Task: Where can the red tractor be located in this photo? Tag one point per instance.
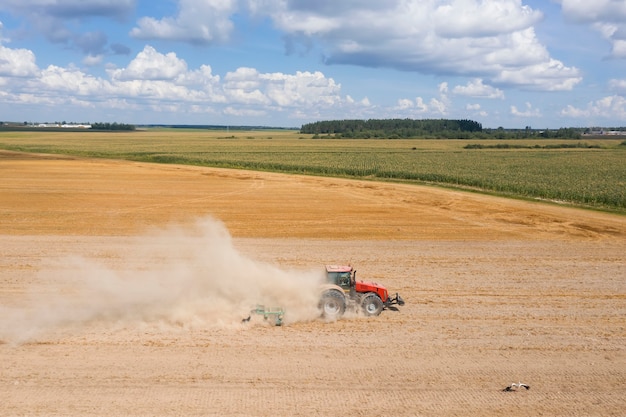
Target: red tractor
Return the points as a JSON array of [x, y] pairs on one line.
[[342, 291]]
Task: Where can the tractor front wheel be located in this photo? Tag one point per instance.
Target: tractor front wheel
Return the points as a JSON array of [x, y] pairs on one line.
[[332, 304], [371, 304]]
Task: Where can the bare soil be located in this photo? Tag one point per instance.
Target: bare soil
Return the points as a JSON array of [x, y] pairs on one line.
[[119, 296]]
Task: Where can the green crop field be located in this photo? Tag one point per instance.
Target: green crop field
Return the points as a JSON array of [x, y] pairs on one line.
[[591, 177]]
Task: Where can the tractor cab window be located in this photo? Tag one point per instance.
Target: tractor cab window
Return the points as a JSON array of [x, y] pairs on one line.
[[340, 278]]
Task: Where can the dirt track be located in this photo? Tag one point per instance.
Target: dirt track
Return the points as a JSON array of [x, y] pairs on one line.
[[498, 291]]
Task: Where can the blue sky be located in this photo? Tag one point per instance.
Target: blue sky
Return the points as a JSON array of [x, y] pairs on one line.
[[510, 63]]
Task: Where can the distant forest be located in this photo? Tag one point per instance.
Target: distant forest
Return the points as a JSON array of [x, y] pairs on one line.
[[427, 128], [112, 126]]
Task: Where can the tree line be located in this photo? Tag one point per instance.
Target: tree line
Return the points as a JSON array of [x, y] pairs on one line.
[[112, 126], [389, 128], [427, 128]]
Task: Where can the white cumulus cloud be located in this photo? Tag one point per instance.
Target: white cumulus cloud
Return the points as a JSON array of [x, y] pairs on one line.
[[593, 11], [503, 17], [435, 107], [617, 85], [163, 82], [303, 87], [606, 16], [92, 60], [607, 107], [476, 88], [476, 109], [201, 22], [69, 81], [545, 76], [17, 62], [152, 65], [529, 111], [494, 40]]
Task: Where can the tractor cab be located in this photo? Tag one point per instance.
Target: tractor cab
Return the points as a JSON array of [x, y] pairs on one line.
[[342, 276]]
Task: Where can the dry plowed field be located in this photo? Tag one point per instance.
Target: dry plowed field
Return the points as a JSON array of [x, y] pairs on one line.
[[123, 287]]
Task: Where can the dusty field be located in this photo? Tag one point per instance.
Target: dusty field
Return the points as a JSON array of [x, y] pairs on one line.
[[121, 295]]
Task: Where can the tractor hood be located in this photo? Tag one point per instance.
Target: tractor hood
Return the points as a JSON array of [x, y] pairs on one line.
[[366, 286]]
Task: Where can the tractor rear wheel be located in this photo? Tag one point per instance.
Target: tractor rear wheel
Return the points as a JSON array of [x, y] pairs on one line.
[[332, 304], [371, 304]]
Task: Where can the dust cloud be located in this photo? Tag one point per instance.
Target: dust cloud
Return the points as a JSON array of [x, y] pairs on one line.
[[188, 277]]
